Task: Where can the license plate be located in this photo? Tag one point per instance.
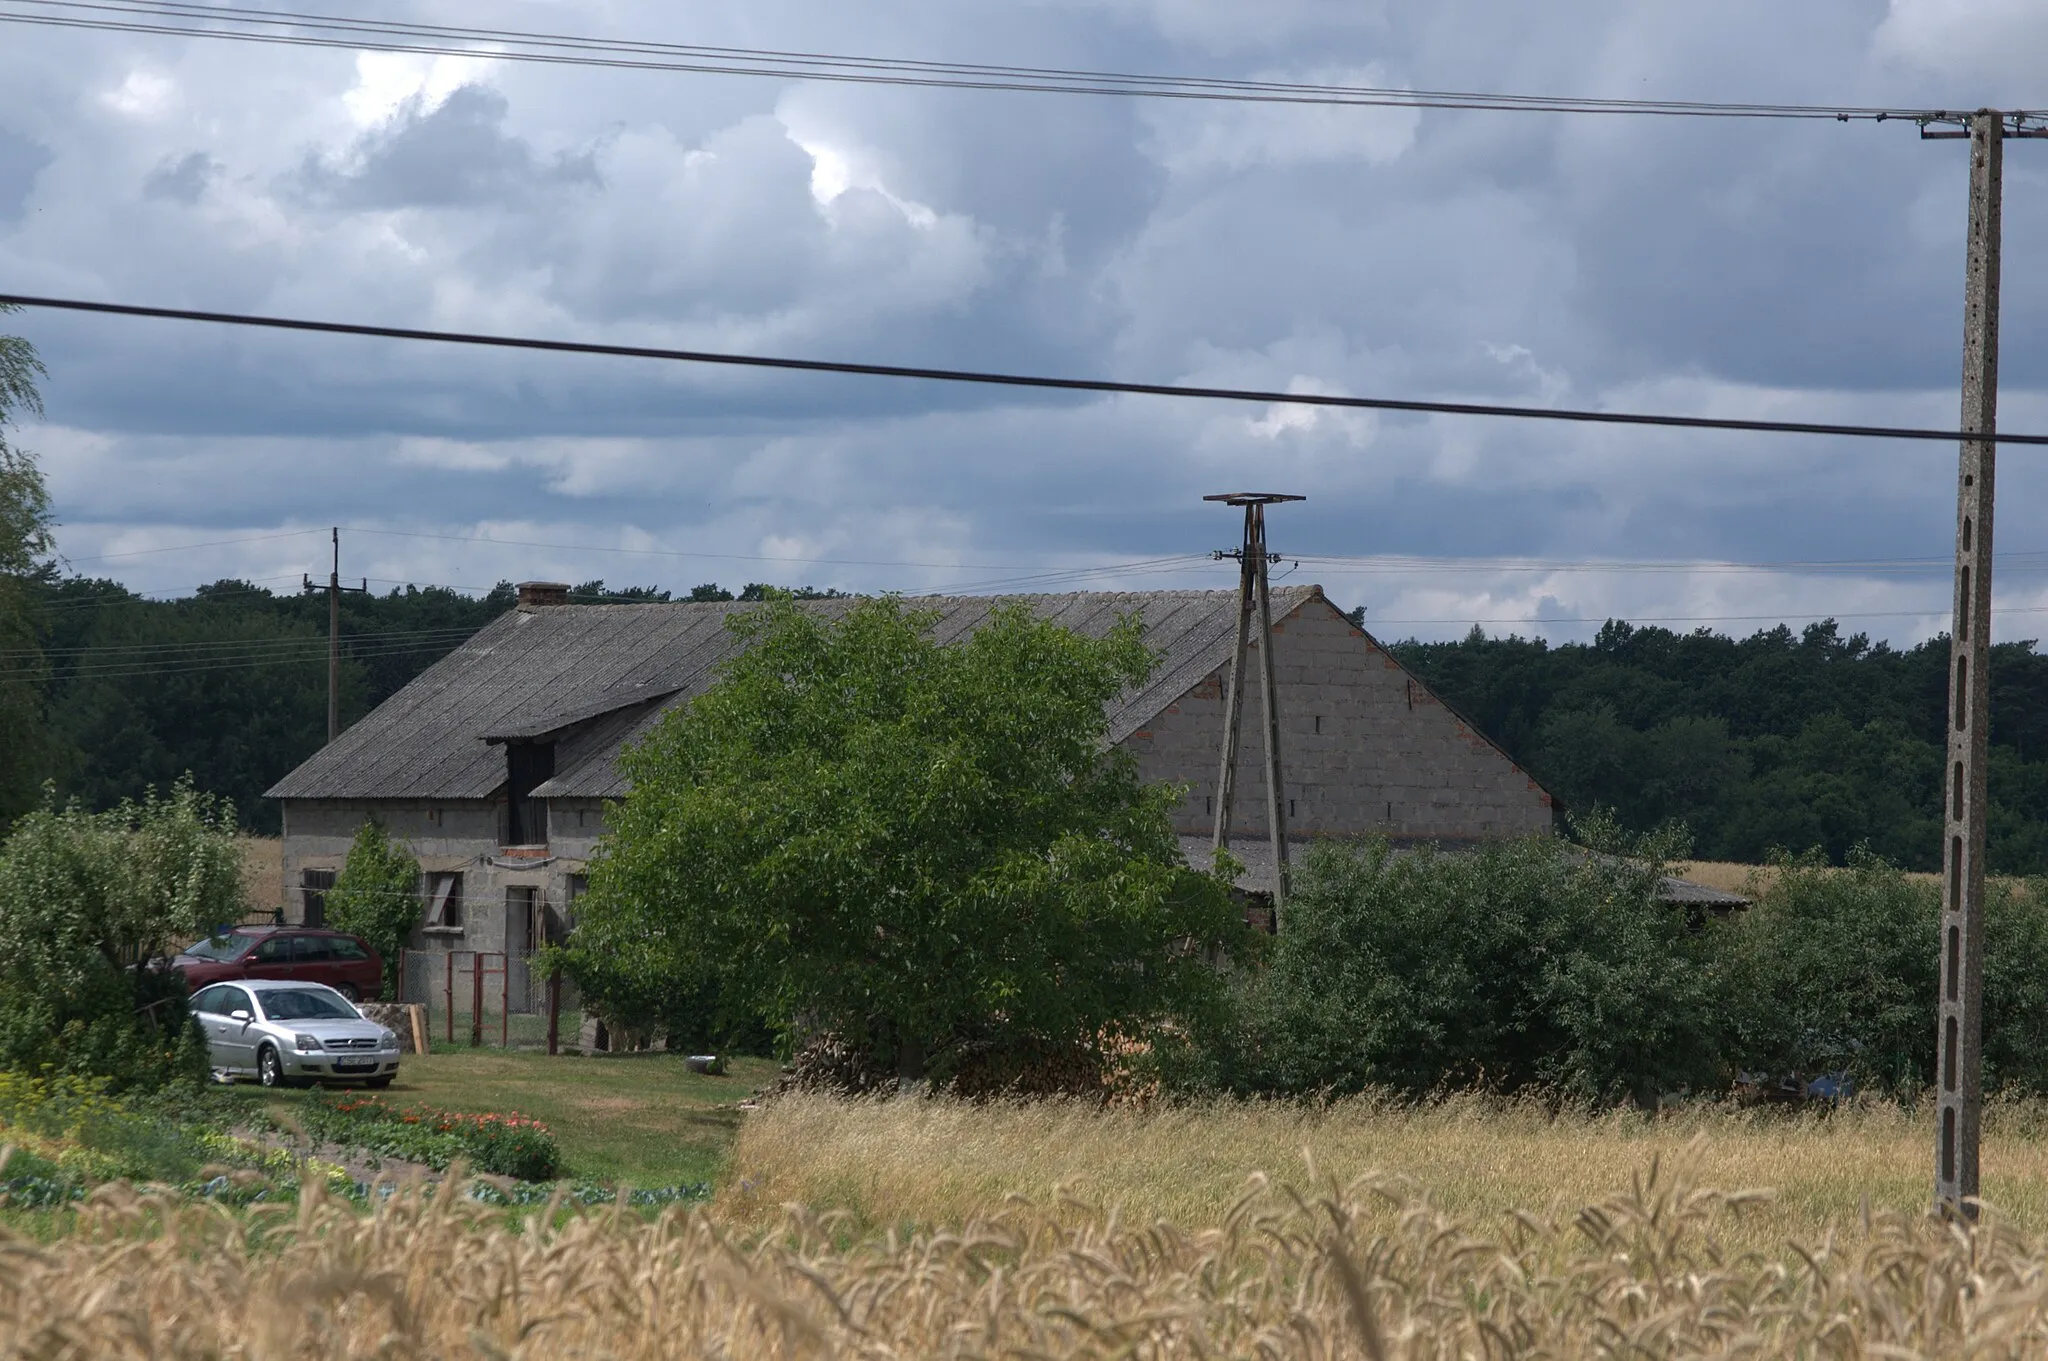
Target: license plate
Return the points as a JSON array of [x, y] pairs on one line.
[[355, 1065]]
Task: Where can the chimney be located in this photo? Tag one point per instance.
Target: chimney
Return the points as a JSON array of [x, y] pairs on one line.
[[534, 595]]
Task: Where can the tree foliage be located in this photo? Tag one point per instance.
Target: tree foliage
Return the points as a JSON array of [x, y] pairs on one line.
[[1784, 739], [24, 544], [924, 849], [377, 896], [88, 903], [1518, 963], [1536, 963]]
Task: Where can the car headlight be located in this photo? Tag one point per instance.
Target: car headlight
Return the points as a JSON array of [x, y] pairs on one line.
[[387, 1041], [305, 1042]]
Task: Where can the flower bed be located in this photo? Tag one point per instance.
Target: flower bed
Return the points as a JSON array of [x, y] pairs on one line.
[[504, 1144]]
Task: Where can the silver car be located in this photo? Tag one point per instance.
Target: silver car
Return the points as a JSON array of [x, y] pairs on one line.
[[287, 1034]]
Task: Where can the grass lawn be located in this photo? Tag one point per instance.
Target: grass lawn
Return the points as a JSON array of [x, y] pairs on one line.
[[643, 1119]]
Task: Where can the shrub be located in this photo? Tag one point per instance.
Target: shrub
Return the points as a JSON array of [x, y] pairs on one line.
[[90, 903], [1836, 969], [1518, 963], [377, 896]]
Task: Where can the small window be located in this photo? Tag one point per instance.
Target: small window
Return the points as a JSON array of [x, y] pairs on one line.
[[276, 950], [210, 1001], [313, 889], [312, 949], [346, 948], [444, 902], [234, 1000]]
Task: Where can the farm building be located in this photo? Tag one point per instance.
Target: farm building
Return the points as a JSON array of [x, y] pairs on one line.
[[495, 764]]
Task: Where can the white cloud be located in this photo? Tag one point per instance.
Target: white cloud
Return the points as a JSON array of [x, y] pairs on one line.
[[387, 82], [143, 94]]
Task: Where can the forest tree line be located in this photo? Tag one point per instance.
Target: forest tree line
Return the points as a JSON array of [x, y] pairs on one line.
[[1781, 740]]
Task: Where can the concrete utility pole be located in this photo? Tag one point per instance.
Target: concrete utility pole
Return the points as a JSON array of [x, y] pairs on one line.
[[334, 590], [1254, 594], [1959, 1092]]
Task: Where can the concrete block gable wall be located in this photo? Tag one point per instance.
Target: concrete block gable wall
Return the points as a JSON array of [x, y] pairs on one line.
[[1366, 750]]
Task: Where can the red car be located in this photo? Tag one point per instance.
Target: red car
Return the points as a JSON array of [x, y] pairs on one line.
[[300, 954]]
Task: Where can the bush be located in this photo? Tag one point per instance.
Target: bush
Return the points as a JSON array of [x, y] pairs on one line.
[[377, 896], [90, 904], [86, 1136], [1516, 964], [1836, 969]]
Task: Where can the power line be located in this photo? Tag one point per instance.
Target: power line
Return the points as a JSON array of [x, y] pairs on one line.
[[1018, 380], [181, 547], [731, 557], [250, 645], [2030, 561], [314, 30]]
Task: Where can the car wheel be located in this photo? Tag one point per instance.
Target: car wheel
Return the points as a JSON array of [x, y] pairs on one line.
[[348, 990], [270, 1068]]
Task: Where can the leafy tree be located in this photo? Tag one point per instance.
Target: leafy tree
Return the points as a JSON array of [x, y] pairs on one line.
[[1834, 970], [377, 896], [927, 850], [1518, 963], [88, 902], [24, 542], [1782, 739]]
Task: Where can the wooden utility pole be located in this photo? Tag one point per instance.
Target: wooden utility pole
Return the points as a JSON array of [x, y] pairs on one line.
[[1959, 1089], [1254, 595], [334, 590]]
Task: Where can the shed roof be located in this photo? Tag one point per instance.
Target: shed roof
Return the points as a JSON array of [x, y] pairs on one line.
[[597, 676]]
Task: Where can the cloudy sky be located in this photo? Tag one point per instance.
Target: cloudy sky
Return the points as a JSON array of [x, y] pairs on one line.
[[1804, 270]]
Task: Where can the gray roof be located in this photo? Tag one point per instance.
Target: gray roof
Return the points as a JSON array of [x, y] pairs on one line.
[[1255, 853], [598, 676]]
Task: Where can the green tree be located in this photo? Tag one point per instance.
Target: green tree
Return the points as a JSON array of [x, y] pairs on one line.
[[1511, 964], [377, 896], [926, 850], [24, 543], [88, 902]]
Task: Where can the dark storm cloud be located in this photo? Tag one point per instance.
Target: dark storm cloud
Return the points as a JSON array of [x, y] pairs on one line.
[[20, 161], [455, 154], [182, 180]]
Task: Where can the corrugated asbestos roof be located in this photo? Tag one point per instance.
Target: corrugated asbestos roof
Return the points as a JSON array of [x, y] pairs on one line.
[[614, 669]]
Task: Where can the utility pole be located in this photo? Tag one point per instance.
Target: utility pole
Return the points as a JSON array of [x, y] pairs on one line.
[[334, 590], [1254, 595], [1959, 1090]]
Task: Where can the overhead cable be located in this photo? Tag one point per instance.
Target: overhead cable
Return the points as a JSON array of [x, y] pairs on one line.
[[316, 30], [1028, 381]]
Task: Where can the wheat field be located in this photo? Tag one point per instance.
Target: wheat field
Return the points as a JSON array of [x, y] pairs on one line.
[[1482, 1160], [1330, 1270]]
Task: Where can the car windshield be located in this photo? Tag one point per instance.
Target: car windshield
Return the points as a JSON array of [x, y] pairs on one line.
[[229, 946], [304, 1004]]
